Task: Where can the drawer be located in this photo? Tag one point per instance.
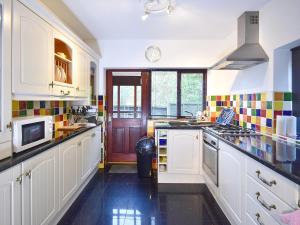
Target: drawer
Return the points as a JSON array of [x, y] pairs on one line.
[[257, 214], [265, 198], [285, 189]]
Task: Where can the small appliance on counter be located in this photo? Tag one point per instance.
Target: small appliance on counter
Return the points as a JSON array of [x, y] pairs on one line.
[[31, 131]]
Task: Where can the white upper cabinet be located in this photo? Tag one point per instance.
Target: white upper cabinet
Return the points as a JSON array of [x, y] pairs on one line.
[[32, 53], [40, 188], [5, 80], [183, 151], [10, 196], [82, 73]]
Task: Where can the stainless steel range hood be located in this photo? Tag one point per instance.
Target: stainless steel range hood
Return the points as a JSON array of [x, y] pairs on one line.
[[249, 52]]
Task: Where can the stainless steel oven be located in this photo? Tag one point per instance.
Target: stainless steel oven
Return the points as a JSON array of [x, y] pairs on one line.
[[210, 157]]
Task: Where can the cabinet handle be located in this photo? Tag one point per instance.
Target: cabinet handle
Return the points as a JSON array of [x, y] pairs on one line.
[[269, 183], [9, 126], [264, 204], [93, 135], [51, 84], [197, 137], [258, 219], [19, 178], [63, 93], [79, 144], [28, 174], [77, 89]]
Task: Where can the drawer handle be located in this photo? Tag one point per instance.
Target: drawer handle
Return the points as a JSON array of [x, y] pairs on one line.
[[269, 183], [263, 203], [28, 174], [258, 219]]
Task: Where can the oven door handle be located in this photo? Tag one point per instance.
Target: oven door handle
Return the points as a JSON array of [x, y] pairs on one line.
[[209, 147]]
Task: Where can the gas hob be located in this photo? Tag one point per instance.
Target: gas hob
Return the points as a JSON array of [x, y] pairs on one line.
[[231, 130]]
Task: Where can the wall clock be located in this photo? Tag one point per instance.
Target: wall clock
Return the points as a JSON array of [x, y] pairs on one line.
[[153, 54]]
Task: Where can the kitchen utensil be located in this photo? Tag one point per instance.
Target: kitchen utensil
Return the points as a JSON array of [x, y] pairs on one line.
[[281, 126], [291, 126]]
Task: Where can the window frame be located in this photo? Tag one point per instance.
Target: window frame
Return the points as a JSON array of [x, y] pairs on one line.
[[179, 74]]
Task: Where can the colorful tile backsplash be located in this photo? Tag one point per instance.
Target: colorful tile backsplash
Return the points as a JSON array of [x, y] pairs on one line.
[[58, 109], [256, 111]]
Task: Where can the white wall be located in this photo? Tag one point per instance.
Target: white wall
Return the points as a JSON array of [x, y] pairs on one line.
[[279, 32], [175, 54]]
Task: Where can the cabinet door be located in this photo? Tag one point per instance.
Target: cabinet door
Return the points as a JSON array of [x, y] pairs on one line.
[[68, 181], [5, 80], [232, 182], [183, 151], [10, 196], [82, 74], [96, 147], [32, 52], [84, 157], [40, 188]]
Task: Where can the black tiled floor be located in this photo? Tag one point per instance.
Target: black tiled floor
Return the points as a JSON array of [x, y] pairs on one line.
[[124, 199]]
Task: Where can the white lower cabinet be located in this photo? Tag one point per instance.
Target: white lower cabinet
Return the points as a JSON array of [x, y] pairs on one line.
[[232, 183], [10, 196], [40, 188], [183, 151], [84, 156], [68, 179]]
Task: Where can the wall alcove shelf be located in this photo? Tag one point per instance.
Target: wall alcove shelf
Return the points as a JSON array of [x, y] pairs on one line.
[[63, 62]]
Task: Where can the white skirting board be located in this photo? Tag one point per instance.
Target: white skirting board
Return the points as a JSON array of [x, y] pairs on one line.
[[63, 210], [180, 178]]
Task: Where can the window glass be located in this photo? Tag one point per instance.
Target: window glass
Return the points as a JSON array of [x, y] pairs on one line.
[[164, 93], [191, 93]]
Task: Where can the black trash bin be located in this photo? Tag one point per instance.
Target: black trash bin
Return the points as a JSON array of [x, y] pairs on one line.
[[144, 153]]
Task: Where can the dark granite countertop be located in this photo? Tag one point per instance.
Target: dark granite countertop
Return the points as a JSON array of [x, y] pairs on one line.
[[281, 156], [61, 136], [167, 126]]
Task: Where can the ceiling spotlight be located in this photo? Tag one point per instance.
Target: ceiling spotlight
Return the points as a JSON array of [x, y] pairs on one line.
[[145, 16], [158, 6]]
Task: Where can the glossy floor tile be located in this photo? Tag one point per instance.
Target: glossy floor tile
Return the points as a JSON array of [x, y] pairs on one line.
[[124, 199]]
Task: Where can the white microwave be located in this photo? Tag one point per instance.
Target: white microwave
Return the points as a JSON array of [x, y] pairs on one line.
[[31, 131]]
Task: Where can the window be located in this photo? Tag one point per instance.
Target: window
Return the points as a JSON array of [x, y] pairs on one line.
[[173, 92]]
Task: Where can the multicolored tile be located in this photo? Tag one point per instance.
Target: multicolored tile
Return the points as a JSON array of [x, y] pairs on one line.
[[256, 111]]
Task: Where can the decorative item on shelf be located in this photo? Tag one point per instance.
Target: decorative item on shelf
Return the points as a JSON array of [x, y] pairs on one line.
[[61, 54], [162, 168], [63, 77], [153, 54]]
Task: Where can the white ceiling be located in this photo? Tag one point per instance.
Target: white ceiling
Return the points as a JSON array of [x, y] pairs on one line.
[[192, 19]]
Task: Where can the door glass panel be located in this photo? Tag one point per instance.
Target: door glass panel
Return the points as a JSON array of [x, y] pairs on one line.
[[127, 98], [191, 93], [115, 98], [138, 101]]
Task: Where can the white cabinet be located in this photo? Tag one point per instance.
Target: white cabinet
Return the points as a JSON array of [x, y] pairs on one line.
[[68, 180], [10, 196], [82, 61], [32, 53], [96, 147], [5, 81], [232, 182], [183, 151], [40, 188], [84, 156]]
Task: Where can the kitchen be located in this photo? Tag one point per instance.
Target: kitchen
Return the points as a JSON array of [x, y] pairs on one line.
[[212, 84]]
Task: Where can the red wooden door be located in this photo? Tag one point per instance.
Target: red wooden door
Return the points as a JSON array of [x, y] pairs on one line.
[[127, 99]]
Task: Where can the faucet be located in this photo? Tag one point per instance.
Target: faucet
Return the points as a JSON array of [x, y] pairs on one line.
[[192, 115]]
